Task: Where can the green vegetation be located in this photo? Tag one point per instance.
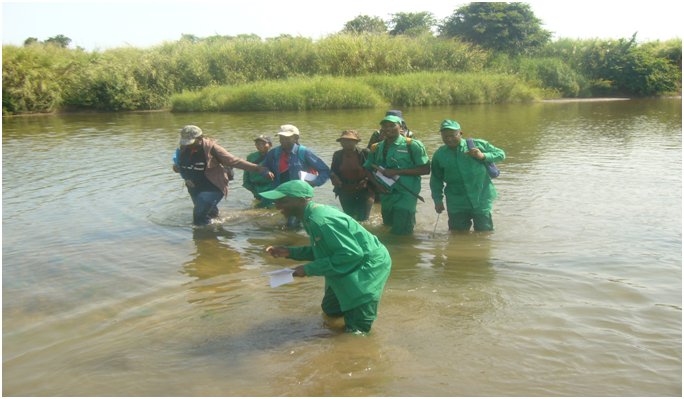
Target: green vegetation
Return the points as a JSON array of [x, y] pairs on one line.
[[422, 88], [369, 64]]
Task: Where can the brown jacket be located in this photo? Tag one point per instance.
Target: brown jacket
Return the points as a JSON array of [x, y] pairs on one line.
[[217, 157]]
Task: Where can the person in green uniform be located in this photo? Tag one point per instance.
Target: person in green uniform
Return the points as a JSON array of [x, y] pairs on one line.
[[353, 261], [406, 160], [469, 190], [254, 182]]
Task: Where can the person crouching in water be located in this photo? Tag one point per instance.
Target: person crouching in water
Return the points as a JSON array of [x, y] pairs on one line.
[[353, 261], [350, 178], [201, 165]]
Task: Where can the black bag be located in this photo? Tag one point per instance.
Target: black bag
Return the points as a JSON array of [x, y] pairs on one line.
[[492, 170]]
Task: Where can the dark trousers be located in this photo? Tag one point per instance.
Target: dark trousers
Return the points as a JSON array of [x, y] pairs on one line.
[[205, 205], [357, 204]]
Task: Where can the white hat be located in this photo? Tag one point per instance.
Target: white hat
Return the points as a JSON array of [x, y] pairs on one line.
[[288, 130], [189, 133]]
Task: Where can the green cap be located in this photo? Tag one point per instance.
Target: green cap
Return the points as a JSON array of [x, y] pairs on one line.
[[449, 124], [391, 118], [292, 188]]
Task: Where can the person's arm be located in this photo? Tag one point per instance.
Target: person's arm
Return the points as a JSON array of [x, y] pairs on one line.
[[225, 158], [420, 159], [317, 164], [335, 169], [369, 164], [437, 183], [491, 153]]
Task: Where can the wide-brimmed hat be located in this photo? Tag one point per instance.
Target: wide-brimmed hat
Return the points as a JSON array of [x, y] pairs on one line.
[[263, 138], [189, 134], [349, 134], [292, 188], [288, 130]]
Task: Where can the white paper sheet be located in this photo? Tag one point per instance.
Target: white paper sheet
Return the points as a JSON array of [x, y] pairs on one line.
[[387, 180], [306, 176], [280, 277]]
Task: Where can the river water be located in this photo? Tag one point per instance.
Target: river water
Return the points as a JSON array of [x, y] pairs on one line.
[[108, 290]]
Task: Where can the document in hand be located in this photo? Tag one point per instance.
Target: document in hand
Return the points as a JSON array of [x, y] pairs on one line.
[[306, 176], [388, 181], [280, 277]]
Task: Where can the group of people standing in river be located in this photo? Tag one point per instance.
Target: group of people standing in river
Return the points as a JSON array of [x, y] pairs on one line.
[[353, 261]]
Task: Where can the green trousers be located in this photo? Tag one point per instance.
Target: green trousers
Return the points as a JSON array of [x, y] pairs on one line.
[[402, 220], [358, 319], [462, 221]]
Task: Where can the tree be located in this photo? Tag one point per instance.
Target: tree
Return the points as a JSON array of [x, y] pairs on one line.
[[508, 27], [412, 23], [365, 24], [59, 40], [29, 41]]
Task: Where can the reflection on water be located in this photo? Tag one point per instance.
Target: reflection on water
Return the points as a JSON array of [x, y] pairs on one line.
[[109, 290]]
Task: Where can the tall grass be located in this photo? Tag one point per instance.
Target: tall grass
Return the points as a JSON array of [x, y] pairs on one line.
[[292, 94], [423, 88]]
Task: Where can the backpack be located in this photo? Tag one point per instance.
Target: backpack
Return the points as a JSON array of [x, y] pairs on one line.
[[492, 170]]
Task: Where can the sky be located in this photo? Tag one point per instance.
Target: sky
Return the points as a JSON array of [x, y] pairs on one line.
[[99, 25]]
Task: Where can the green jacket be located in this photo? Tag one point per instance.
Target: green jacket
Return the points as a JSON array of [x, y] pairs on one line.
[[468, 186], [253, 181], [398, 157], [353, 261]]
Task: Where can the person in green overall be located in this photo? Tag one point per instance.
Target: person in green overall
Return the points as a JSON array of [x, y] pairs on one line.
[[254, 182], [469, 190], [353, 261], [406, 159]]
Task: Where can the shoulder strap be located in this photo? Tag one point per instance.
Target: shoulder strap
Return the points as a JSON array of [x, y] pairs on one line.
[[408, 147], [301, 153], [470, 143]]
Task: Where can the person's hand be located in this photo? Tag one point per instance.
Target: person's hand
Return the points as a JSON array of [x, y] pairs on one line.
[[476, 153], [299, 271], [189, 184], [362, 184], [439, 208], [278, 252], [263, 171]]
